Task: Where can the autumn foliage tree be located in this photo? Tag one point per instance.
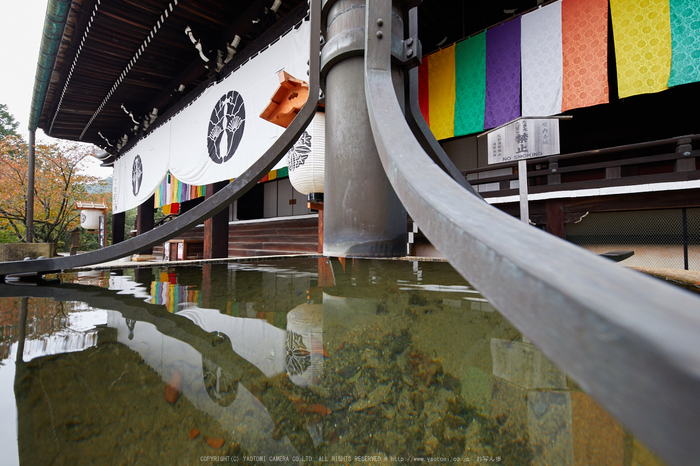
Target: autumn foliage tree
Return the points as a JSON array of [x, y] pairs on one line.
[[8, 124], [58, 184]]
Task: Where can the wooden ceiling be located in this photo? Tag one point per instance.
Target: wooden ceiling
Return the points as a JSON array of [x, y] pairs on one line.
[[135, 54], [149, 50]]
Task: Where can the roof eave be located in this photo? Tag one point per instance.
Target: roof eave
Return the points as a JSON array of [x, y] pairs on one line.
[[54, 25]]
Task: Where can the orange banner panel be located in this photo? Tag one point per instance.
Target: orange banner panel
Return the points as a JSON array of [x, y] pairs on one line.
[[585, 53]]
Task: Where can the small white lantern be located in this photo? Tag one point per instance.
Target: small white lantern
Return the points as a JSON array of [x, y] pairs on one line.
[[90, 219], [304, 344], [306, 160]]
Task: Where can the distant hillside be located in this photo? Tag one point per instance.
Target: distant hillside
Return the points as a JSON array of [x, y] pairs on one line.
[[104, 186]]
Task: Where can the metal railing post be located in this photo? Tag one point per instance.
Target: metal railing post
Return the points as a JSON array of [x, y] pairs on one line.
[[362, 214]]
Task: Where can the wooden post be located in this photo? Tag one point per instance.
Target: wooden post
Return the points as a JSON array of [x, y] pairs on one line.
[[74, 241], [686, 164], [555, 217], [522, 187], [144, 220], [555, 177], [144, 276], [215, 286], [118, 225], [29, 210], [216, 227], [319, 207]]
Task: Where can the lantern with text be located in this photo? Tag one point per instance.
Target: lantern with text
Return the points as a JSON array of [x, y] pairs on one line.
[[90, 219], [93, 218], [306, 159]]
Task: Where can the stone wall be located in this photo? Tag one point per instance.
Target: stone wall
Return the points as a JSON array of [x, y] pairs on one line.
[[18, 251]]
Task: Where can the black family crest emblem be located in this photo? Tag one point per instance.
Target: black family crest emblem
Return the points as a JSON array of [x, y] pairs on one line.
[[298, 358], [136, 175], [226, 127], [300, 152]]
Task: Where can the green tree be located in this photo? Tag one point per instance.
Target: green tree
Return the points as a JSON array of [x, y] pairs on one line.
[[8, 124], [58, 185]]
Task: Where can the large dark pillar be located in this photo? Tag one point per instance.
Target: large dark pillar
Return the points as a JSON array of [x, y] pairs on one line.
[[362, 214], [216, 227], [118, 225], [144, 220]]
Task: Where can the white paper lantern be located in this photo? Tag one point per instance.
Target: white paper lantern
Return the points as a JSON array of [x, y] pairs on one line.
[[90, 219], [304, 345], [306, 160]]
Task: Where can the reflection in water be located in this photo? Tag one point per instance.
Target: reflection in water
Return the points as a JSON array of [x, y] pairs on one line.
[[311, 357]]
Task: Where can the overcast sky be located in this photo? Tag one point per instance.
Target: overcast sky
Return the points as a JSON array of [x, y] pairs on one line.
[[21, 25]]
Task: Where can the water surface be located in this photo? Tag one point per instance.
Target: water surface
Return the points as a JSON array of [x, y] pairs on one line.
[[296, 361]]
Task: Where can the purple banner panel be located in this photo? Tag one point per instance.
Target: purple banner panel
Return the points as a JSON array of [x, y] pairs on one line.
[[502, 74]]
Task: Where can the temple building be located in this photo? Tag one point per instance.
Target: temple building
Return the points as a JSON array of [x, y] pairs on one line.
[[174, 92]]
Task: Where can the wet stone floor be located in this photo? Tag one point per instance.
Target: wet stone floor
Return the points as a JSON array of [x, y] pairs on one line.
[[305, 361]]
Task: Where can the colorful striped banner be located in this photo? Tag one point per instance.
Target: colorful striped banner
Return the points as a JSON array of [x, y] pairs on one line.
[[274, 174], [562, 50], [453, 84], [172, 191], [424, 90], [584, 28], [502, 74], [470, 85], [542, 62], [168, 293], [642, 32], [441, 79], [685, 41]]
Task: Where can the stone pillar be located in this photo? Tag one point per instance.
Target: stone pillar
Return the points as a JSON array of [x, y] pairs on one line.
[[216, 227], [362, 214], [144, 220]]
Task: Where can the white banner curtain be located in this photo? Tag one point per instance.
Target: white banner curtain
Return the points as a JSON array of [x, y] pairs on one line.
[[542, 61], [139, 172], [220, 134]]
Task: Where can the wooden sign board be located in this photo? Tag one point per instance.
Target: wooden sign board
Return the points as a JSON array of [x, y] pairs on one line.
[[522, 139]]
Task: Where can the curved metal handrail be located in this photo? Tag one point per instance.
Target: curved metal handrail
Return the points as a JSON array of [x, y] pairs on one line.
[[210, 206], [418, 125], [629, 340]]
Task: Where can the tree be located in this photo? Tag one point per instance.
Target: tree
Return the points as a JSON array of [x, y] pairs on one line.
[[8, 124], [57, 186]]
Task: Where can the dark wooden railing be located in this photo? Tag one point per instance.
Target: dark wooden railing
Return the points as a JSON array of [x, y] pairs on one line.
[[608, 167]]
